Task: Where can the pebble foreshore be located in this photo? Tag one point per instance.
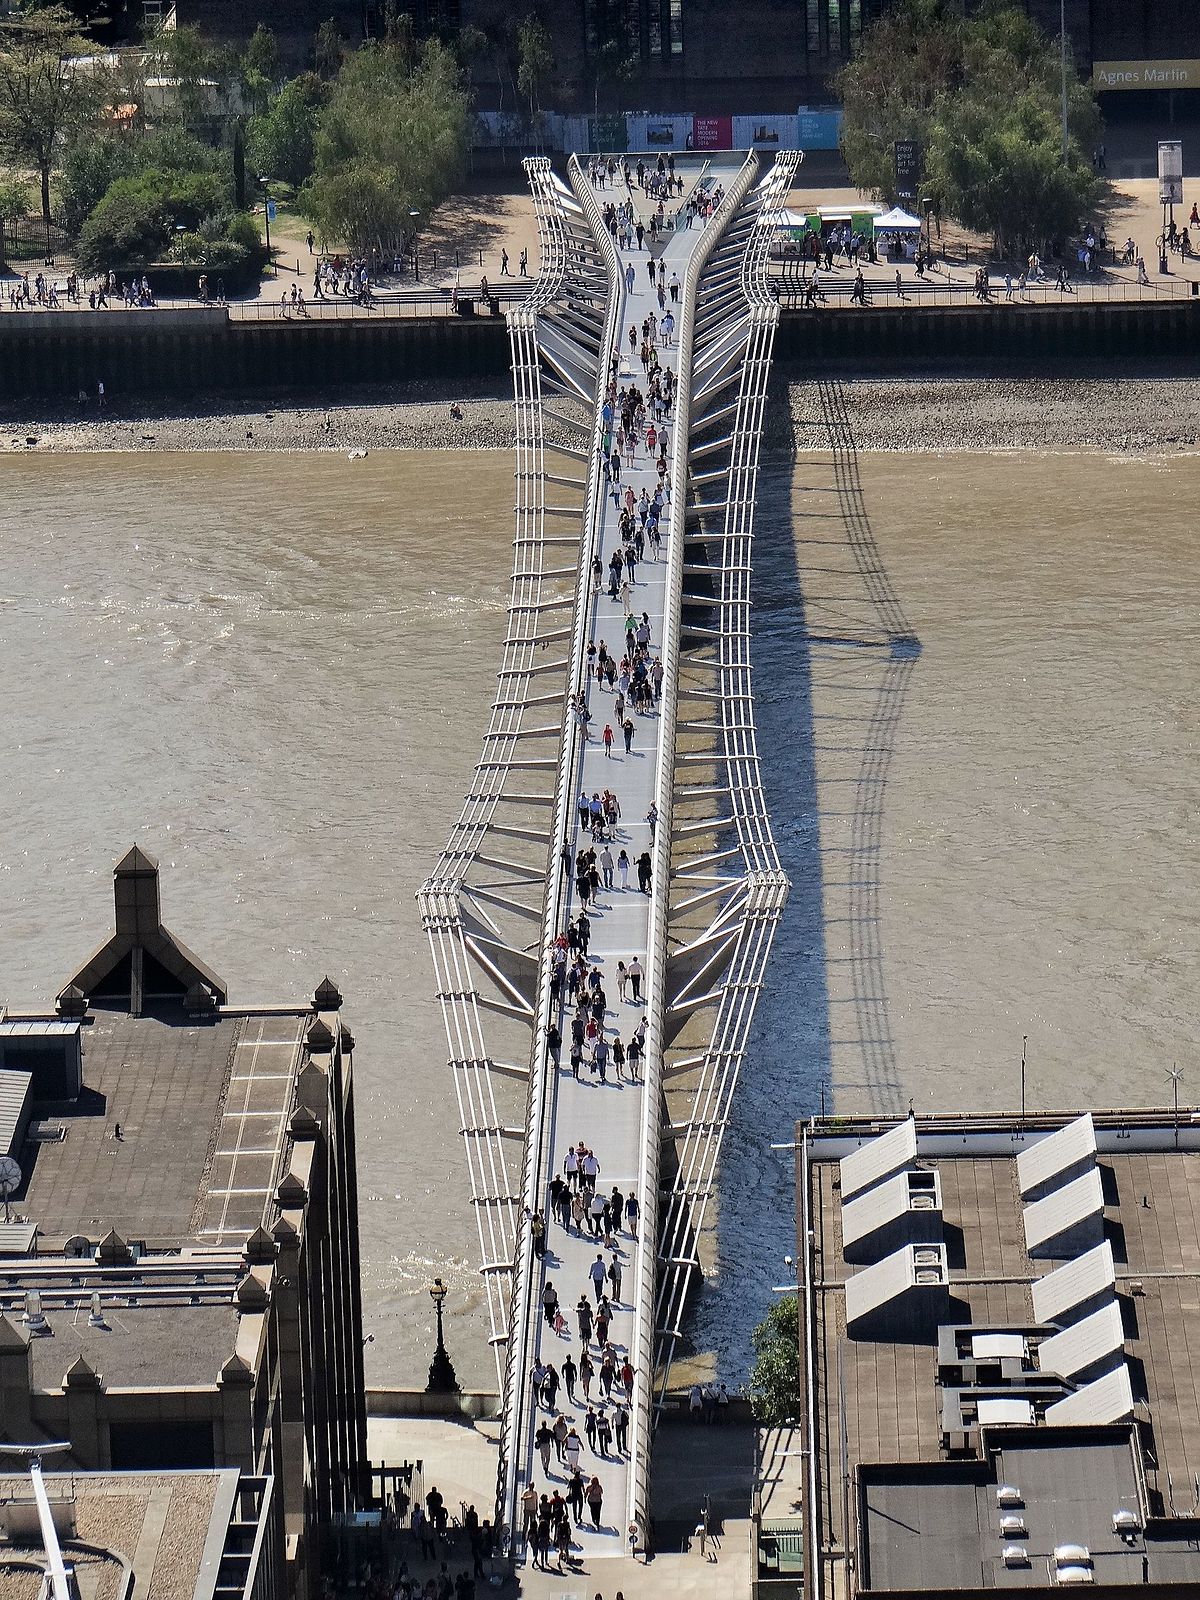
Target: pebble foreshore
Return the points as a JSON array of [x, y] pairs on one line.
[[1129, 415]]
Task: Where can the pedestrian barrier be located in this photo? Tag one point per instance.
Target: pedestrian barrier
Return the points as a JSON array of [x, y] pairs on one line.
[[500, 897]]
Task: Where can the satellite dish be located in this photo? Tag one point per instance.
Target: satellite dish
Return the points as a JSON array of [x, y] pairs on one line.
[[10, 1180]]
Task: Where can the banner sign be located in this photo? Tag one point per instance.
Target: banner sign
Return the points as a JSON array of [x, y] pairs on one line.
[[608, 135], [907, 153], [712, 133], [764, 133], [665, 132], [1170, 172], [1112, 75], [818, 127]]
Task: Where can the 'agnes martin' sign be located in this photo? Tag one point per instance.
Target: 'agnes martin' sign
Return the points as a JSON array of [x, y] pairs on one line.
[[1109, 75]]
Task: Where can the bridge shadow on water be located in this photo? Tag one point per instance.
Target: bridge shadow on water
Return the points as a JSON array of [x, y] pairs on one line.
[[833, 655]]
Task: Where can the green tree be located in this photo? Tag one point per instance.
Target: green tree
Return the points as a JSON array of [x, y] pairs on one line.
[[196, 75], [907, 62], [89, 164], [535, 62], [14, 204], [775, 1378], [981, 95], [44, 93], [259, 66], [328, 50], [392, 141], [282, 143], [128, 228]]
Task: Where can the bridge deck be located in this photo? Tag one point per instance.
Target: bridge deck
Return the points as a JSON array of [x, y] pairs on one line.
[[609, 1118]]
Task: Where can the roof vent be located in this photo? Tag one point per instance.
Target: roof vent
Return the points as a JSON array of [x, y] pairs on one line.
[[1013, 1526], [318, 1039], [72, 1002], [33, 1317], [1015, 1555], [96, 1314], [328, 996], [1009, 1495], [1126, 1521]]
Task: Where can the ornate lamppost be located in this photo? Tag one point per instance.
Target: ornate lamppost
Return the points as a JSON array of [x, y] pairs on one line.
[[442, 1379]]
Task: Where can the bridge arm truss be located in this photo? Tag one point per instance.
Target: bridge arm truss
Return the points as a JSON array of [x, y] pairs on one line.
[[722, 967], [484, 906]]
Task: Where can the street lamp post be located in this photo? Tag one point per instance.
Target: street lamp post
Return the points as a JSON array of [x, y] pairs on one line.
[[1175, 1072], [442, 1379], [267, 216], [1062, 39]]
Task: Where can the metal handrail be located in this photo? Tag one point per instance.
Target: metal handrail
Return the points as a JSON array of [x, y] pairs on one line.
[[533, 1172], [644, 1296], [756, 900], [487, 1161]]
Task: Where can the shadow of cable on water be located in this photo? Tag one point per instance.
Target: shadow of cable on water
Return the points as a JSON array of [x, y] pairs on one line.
[[833, 656]]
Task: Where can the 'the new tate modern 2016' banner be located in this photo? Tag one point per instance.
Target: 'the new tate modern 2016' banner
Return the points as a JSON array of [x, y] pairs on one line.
[[712, 133]]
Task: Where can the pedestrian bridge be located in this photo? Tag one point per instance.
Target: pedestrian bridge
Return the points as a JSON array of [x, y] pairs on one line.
[[506, 887]]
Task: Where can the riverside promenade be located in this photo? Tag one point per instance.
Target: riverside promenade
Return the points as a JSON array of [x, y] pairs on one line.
[[694, 912]]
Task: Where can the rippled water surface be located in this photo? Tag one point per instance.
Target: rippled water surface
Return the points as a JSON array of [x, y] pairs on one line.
[[273, 671]]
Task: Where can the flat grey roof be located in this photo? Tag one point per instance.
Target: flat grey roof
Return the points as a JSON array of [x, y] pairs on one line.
[[161, 1521], [936, 1527], [140, 1347], [196, 1104], [892, 1400]]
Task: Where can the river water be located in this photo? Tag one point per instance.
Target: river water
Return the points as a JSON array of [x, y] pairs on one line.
[[273, 671]]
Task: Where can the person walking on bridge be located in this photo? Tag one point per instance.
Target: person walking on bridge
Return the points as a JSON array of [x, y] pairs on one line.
[[594, 1495], [645, 872]]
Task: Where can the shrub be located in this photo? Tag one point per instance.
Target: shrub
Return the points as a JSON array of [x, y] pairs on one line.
[[128, 227]]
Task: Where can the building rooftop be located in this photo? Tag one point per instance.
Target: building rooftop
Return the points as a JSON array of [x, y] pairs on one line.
[[173, 1527], [202, 1109], [928, 1420]]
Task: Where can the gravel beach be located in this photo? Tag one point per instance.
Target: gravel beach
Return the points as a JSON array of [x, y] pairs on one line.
[[1127, 415]]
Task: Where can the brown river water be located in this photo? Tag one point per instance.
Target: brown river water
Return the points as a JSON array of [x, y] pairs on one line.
[[273, 672]]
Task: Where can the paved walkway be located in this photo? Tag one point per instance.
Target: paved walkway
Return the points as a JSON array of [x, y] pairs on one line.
[[608, 1117]]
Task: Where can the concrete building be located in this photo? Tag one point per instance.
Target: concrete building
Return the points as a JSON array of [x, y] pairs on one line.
[[179, 1283], [1002, 1397], [210, 1535]]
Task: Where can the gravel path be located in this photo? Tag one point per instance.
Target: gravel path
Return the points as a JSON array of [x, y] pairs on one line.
[[1130, 415], [406, 418], [1126, 416]]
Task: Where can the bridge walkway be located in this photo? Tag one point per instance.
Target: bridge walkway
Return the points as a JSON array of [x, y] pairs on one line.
[[609, 1118]]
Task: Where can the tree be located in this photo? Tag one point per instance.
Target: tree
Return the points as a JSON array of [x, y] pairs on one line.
[[392, 141], [14, 204], [44, 93], [535, 62], [328, 50], [775, 1378], [260, 66], [981, 96], [282, 142], [906, 63], [194, 71], [129, 227]]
